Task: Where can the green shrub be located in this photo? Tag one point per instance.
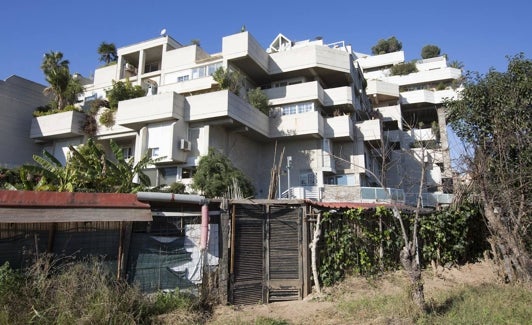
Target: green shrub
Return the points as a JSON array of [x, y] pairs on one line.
[[123, 91], [108, 117], [258, 99], [402, 69], [430, 51], [48, 110]]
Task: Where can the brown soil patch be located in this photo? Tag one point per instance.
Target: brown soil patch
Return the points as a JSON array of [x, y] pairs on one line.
[[321, 309]]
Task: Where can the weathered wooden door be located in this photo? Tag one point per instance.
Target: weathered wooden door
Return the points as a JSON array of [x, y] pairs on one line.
[[284, 262], [247, 255], [266, 257]]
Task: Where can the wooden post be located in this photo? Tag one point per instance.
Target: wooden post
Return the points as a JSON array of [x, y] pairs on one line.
[[223, 264]]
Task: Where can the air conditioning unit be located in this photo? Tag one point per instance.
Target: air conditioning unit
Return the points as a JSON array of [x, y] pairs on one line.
[[185, 145]]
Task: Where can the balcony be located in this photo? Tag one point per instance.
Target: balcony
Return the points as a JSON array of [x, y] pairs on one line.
[[344, 193], [136, 113], [59, 125], [426, 96], [369, 130], [381, 91], [339, 128], [422, 77], [382, 60], [308, 91], [225, 107], [243, 51], [338, 96], [311, 56], [309, 124]]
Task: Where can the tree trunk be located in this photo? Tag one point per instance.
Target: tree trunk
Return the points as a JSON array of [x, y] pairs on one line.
[[313, 251], [510, 254], [412, 268]]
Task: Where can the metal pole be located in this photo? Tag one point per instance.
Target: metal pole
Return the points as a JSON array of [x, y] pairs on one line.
[[288, 165]]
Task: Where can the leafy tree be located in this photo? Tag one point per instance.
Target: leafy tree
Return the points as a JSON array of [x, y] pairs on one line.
[[107, 52], [493, 118], [63, 87], [430, 51], [228, 79], [384, 46], [215, 175]]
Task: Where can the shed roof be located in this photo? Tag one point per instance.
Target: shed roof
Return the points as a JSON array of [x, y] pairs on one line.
[[44, 207]]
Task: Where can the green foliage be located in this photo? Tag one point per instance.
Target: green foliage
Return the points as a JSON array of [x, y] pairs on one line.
[[107, 52], [258, 99], [177, 188], [63, 87], [107, 118], [89, 169], [352, 243], [402, 69], [215, 174], [367, 243], [493, 116], [456, 64], [451, 235], [47, 110], [228, 79], [430, 51], [384, 46], [123, 91]]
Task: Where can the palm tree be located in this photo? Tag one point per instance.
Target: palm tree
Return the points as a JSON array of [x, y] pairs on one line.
[[107, 52], [57, 74]]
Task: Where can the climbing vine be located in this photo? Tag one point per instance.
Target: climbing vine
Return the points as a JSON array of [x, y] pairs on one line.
[[368, 242]]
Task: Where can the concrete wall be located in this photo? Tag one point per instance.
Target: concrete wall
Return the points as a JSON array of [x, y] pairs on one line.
[[18, 99]]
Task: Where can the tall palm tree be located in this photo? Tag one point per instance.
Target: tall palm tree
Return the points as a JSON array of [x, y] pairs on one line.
[[107, 52], [57, 74]]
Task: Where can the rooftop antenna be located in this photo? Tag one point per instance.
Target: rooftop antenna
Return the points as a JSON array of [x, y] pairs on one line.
[[163, 32]]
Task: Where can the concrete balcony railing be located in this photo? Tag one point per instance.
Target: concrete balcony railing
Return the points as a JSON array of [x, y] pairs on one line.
[[427, 96], [423, 77], [243, 46], [308, 91], [311, 56], [59, 125], [304, 124], [339, 127], [382, 89], [382, 60], [338, 96], [369, 130], [225, 106], [136, 113]]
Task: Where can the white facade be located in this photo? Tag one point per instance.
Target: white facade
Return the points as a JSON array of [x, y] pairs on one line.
[[319, 111], [411, 108]]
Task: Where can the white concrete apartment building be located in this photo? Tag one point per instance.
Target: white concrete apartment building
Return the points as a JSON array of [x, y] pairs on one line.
[[319, 113], [413, 118]]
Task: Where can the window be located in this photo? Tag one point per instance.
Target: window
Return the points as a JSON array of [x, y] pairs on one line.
[[183, 78], [307, 178], [127, 152], [298, 108], [187, 172], [153, 152]]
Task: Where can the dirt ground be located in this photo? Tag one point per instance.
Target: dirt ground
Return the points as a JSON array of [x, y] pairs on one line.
[[320, 309]]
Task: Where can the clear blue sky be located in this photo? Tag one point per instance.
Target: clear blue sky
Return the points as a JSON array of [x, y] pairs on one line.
[[478, 33]]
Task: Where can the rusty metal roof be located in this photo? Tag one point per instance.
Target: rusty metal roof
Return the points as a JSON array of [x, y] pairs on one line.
[[354, 205], [37, 207]]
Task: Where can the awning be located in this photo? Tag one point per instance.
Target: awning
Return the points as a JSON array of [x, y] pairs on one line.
[[47, 207]]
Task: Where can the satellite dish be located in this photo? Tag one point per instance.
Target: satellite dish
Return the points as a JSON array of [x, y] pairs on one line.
[[163, 32]]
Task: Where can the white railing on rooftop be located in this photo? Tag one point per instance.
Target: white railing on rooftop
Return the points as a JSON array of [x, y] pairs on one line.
[[303, 192]]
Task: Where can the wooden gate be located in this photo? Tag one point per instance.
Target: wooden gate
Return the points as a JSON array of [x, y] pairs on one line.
[[266, 254]]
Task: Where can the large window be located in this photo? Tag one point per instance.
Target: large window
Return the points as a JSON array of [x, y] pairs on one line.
[[298, 108]]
